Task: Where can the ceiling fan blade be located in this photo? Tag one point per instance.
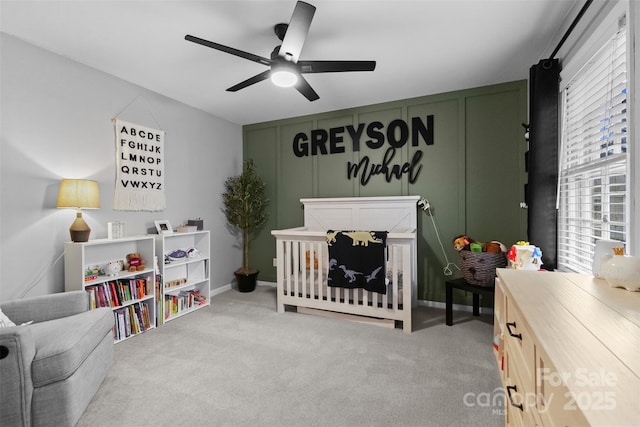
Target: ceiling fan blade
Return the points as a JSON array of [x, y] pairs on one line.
[[253, 80], [227, 49], [297, 31], [335, 66], [305, 88]]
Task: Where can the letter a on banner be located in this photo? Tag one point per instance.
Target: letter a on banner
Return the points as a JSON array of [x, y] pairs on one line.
[[140, 168]]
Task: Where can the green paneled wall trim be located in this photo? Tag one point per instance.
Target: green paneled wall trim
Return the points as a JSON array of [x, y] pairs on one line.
[[472, 172]]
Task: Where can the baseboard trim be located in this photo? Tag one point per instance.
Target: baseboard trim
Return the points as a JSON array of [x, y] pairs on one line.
[[219, 290], [224, 288], [263, 283], [455, 307]]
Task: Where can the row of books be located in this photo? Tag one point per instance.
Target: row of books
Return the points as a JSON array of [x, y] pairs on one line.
[[130, 320], [185, 300], [117, 292]]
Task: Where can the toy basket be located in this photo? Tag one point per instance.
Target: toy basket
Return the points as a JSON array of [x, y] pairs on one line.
[[479, 268]]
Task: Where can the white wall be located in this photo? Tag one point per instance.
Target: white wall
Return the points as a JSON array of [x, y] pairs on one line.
[[56, 123]]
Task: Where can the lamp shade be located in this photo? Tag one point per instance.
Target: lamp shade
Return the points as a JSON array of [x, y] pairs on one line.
[[78, 194]]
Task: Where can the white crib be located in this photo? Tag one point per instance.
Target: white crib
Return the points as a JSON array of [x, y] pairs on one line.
[[302, 259]]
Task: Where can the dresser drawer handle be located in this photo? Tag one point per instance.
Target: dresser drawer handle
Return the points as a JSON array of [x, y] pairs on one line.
[[517, 405], [509, 325]]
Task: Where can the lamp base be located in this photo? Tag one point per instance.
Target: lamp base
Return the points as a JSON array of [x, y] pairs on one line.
[[79, 229], [80, 236]]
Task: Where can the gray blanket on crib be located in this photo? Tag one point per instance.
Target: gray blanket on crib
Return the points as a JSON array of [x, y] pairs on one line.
[[357, 259]]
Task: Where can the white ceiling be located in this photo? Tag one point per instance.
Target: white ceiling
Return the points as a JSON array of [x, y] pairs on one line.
[[421, 47]]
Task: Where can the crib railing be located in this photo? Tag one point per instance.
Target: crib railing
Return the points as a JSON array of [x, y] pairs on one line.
[[302, 267]]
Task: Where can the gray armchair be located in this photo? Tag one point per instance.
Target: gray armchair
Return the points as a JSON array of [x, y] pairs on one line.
[[51, 369]]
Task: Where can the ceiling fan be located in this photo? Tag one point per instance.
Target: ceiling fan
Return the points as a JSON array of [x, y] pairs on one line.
[[285, 68]]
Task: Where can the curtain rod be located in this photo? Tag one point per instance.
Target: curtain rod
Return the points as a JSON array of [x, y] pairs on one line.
[[571, 27]]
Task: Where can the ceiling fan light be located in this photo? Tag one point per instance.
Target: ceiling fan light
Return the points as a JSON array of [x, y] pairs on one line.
[[284, 78]]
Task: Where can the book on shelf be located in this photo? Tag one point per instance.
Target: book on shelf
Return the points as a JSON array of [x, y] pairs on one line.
[[127, 321], [159, 300], [135, 321], [120, 322], [137, 313], [114, 294], [92, 299], [123, 285]]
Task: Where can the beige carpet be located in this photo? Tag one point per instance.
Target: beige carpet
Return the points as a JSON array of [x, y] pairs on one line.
[[240, 363]]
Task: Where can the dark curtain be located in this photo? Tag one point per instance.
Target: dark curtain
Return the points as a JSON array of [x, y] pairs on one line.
[[543, 159]]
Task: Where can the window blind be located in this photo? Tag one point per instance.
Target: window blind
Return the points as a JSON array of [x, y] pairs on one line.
[[593, 183]]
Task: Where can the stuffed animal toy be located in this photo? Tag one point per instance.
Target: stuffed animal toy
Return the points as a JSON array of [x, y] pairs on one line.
[[466, 243], [462, 242], [134, 262], [493, 247]]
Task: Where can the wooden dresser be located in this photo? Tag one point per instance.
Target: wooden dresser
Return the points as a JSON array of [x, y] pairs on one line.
[[568, 349]]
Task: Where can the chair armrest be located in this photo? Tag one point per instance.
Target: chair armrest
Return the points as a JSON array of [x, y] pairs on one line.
[[17, 350], [46, 307]]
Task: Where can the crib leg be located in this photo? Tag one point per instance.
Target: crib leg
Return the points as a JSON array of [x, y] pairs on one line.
[[406, 324]]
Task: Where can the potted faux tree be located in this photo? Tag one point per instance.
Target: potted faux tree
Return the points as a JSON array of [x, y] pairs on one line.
[[245, 206]]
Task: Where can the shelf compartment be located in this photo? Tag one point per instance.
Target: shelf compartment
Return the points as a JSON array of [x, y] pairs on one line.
[[133, 319], [184, 283], [183, 302]]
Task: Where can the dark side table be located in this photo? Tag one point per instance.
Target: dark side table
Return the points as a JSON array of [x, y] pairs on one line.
[[462, 284]]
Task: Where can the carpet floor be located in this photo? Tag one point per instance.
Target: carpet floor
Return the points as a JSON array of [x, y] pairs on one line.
[[240, 363]]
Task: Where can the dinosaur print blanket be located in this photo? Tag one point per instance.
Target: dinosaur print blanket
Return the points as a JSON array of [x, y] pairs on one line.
[[357, 259]]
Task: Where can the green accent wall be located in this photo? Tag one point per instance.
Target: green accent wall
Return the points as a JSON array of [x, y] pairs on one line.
[[473, 175]]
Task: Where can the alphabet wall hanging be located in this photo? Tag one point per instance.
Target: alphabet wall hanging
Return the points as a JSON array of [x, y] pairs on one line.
[[140, 168]]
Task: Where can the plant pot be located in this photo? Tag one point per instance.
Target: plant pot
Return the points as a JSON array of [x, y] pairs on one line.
[[246, 281]]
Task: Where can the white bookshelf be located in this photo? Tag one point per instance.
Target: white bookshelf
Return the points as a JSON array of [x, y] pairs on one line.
[[131, 295], [184, 283]]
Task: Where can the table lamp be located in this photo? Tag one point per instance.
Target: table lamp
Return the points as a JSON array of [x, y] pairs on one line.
[[79, 194]]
